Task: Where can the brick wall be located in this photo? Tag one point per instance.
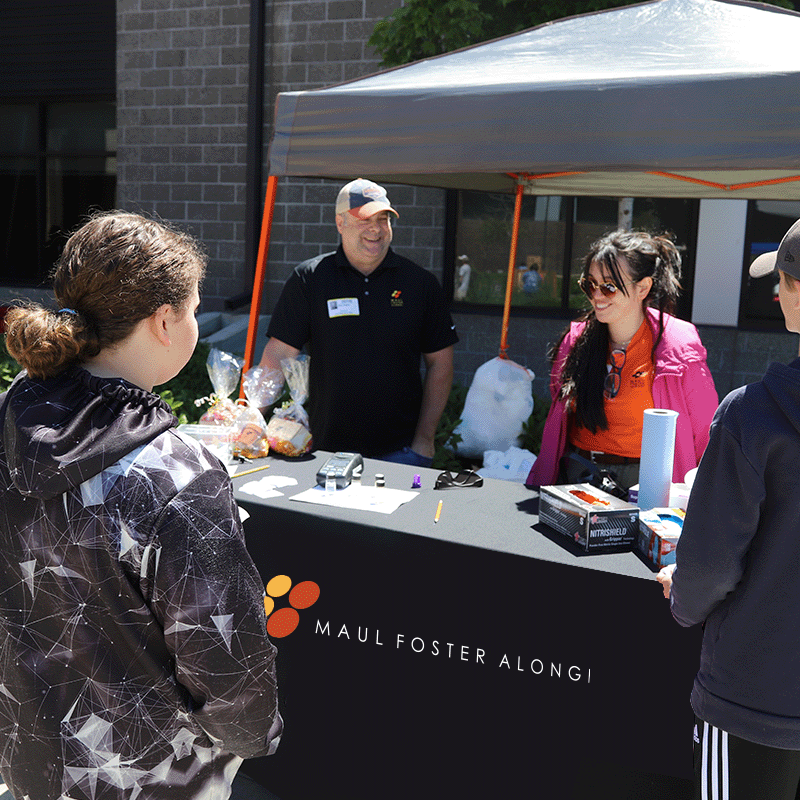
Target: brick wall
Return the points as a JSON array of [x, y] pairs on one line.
[[181, 118]]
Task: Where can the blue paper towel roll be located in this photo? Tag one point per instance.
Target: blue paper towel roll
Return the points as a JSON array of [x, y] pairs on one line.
[[658, 453]]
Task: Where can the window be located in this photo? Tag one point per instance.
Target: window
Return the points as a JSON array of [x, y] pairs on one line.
[[554, 234], [767, 222], [57, 163]]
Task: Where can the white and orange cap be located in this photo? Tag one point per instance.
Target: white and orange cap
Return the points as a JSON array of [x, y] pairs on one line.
[[363, 199]]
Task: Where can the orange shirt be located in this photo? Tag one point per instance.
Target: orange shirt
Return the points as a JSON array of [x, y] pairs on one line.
[[625, 411]]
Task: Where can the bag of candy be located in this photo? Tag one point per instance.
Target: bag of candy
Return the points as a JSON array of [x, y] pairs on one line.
[[261, 387], [288, 432], [250, 439], [224, 370]]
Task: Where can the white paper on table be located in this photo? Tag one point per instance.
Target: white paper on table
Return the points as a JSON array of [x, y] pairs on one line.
[[364, 498], [268, 486]]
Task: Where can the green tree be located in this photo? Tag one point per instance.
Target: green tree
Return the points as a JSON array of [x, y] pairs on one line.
[[424, 28]]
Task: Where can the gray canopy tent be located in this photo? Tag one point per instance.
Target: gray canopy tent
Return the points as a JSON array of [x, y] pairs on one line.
[[671, 98]]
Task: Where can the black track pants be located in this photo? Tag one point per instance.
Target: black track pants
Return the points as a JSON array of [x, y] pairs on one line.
[[729, 768]]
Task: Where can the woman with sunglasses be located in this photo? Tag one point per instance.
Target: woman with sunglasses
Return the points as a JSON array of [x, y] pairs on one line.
[[623, 355]]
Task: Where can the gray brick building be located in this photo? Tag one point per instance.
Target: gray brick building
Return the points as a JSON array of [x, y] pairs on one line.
[[195, 87]]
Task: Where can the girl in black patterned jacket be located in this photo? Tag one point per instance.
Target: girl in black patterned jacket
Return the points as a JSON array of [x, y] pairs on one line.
[[134, 658]]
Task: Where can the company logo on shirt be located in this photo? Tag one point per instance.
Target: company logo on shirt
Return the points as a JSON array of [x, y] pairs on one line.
[[396, 300], [284, 621], [639, 378]]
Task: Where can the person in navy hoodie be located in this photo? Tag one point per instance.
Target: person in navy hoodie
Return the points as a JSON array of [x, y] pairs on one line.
[[738, 574]]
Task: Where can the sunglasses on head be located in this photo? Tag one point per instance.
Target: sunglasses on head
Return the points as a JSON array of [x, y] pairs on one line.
[[589, 284]]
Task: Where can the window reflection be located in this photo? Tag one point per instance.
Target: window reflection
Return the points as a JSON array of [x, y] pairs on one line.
[[18, 228], [554, 234], [81, 127], [57, 163], [767, 222]]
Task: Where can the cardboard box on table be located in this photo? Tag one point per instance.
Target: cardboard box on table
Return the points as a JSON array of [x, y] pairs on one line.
[[595, 520], [659, 531]]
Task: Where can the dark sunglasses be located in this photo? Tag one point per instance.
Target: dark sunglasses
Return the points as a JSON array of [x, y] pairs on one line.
[[589, 284], [614, 377], [447, 480]]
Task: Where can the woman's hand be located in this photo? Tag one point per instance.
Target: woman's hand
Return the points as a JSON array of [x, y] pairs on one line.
[[664, 577]]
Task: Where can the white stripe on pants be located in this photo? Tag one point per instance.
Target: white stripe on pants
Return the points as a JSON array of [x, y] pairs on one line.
[[714, 770]]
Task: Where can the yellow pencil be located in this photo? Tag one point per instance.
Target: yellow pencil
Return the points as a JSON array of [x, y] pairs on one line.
[[438, 512], [250, 471]]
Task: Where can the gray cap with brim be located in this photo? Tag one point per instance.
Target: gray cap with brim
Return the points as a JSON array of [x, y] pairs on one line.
[[786, 257]]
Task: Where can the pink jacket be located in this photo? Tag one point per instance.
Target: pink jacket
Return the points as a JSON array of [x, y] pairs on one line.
[[682, 382]]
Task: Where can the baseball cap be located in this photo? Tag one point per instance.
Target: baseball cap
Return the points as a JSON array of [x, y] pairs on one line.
[[786, 257], [363, 199]]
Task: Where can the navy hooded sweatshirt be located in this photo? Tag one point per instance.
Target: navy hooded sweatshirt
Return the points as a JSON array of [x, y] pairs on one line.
[[738, 563]]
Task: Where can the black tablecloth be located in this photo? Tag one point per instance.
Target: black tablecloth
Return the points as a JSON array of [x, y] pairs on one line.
[[467, 657]]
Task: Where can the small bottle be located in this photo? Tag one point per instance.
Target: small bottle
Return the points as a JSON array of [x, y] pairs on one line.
[[380, 480], [330, 483], [356, 479]]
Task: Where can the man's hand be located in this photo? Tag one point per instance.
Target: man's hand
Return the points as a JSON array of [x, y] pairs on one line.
[[423, 446], [274, 352], [664, 577]]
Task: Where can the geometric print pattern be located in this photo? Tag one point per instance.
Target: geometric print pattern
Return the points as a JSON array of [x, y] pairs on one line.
[[134, 658]]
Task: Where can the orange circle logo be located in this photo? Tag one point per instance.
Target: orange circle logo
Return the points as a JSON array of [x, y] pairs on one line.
[[284, 621]]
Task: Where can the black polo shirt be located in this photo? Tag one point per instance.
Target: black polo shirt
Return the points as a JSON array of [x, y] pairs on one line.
[[365, 337]]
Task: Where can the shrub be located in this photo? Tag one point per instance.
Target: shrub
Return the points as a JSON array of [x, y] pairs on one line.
[[445, 440]]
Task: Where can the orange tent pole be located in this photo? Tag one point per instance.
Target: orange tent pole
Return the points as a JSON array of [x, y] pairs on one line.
[[728, 187], [261, 268], [512, 260]]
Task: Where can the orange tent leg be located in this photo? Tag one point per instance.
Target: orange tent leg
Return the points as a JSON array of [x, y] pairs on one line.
[[261, 268], [512, 260]]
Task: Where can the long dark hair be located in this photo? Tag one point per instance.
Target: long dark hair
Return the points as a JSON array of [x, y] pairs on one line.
[[584, 371]]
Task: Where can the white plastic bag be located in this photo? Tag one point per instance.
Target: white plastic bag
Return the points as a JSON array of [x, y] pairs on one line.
[[512, 465], [499, 400]]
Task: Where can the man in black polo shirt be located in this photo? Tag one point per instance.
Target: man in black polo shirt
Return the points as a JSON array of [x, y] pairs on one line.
[[367, 314]]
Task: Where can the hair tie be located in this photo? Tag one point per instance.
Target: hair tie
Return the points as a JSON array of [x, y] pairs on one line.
[[67, 311]]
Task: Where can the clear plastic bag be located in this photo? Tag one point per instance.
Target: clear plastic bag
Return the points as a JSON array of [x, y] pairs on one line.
[[288, 432], [262, 385], [250, 439], [224, 370], [512, 465]]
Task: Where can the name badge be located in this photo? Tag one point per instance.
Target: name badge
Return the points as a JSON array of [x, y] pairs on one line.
[[343, 307]]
